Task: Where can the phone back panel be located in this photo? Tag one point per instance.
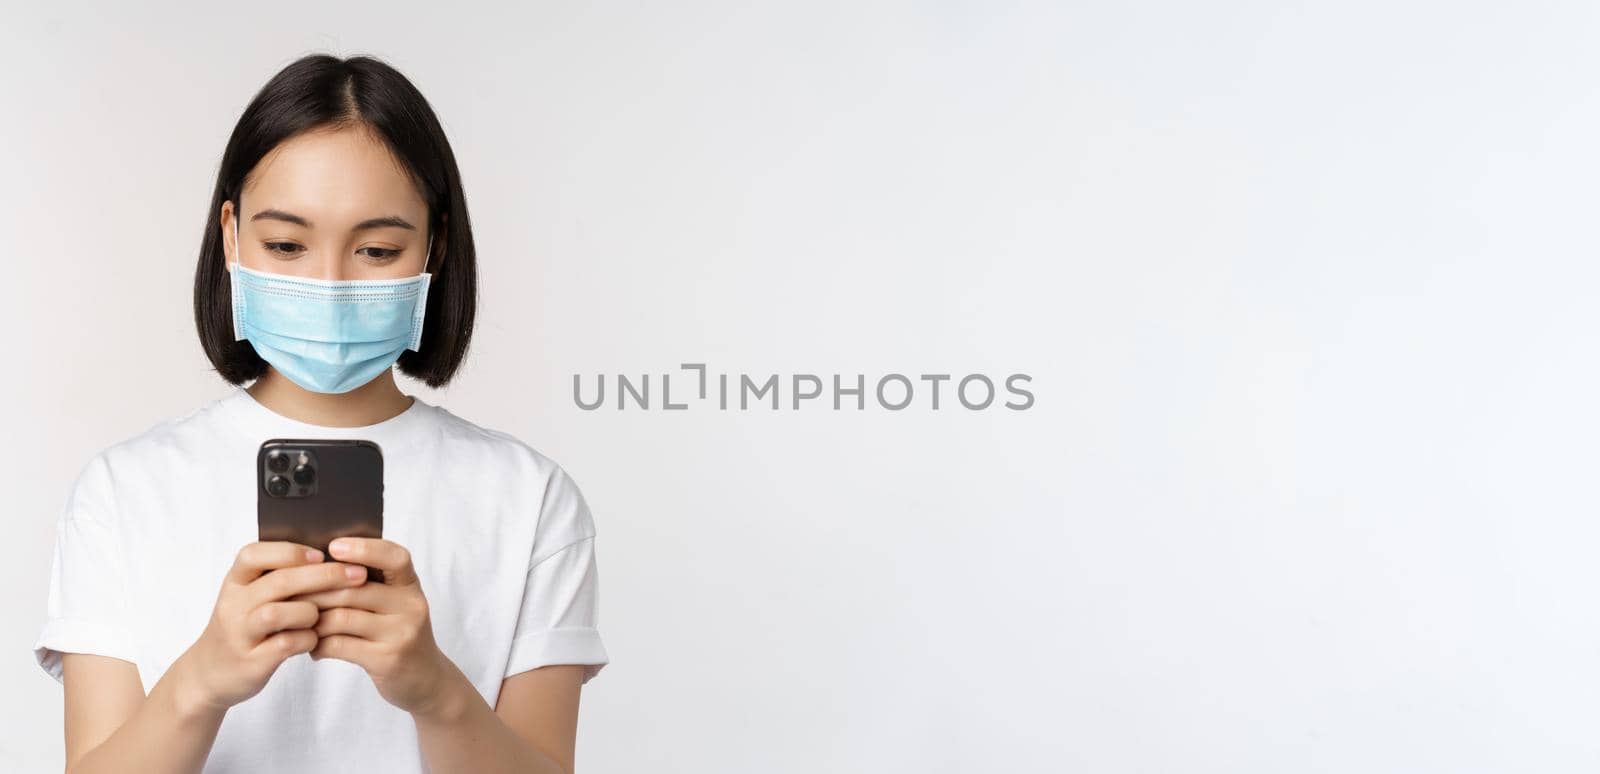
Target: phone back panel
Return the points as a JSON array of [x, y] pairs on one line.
[[345, 496]]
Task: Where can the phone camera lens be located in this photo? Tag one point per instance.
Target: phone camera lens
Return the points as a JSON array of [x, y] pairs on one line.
[[304, 475], [277, 462], [277, 486]]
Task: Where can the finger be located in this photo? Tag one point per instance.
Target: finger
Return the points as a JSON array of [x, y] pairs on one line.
[[290, 581], [386, 555], [258, 557], [279, 616], [376, 597], [285, 644], [356, 650], [348, 620]]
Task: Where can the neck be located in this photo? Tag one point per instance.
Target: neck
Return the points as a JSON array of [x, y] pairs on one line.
[[369, 404]]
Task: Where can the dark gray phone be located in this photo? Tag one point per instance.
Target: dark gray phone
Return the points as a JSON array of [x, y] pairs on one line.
[[312, 490]]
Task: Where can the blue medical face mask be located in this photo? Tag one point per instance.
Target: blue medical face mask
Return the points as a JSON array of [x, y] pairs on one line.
[[328, 335]]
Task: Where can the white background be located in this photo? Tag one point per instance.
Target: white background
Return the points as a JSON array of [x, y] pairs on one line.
[[1306, 291]]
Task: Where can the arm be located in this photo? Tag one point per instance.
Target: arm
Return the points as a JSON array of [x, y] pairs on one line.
[[111, 726], [387, 630], [533, 728]]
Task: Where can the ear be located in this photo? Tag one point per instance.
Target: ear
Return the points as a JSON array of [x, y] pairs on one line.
[[230, 248]]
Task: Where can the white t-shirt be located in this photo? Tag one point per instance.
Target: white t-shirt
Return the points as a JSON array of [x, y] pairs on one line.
[[501, 539]]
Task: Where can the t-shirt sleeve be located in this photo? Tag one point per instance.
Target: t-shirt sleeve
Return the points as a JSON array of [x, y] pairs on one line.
[[87, 608], [558, 622]]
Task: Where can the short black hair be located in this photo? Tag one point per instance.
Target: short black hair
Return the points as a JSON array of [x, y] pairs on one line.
[[319, 92]]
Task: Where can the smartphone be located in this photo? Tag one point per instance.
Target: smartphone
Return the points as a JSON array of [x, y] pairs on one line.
[[312, 490]]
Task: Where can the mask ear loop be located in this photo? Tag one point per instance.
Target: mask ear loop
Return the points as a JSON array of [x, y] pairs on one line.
[[419, 313]]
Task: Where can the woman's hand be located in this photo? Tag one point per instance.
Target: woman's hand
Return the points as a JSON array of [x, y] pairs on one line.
[[383, 627], [254, 625]]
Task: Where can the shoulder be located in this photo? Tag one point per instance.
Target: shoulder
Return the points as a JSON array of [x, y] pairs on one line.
[[157, 444], [542, 483], [498, 449], [162, 446]]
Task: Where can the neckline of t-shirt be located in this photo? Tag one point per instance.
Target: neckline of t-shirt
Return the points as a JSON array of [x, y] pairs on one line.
[[253, 418]]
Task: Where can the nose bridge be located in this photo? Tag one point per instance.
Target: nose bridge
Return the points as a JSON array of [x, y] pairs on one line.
[[329, 261]]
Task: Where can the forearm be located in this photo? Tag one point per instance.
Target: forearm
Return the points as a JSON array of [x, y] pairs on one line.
[[171, 733], [462, 733]]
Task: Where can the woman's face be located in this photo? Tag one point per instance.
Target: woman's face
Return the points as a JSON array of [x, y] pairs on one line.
[[331, 205]]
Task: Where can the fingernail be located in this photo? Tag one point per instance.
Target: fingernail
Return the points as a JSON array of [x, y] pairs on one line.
[[354, 572], [313, 554], [339, 546]]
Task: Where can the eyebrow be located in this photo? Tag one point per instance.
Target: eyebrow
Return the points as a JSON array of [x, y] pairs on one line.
[[387, 221]]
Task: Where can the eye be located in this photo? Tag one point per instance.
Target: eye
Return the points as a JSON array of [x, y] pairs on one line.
[[380, 254], [282, 249]]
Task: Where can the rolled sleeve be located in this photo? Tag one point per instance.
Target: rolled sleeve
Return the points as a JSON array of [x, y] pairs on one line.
[[558, 622], [87, 609]]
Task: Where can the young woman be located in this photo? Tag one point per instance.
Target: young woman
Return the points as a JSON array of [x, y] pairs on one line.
[[337, 245]]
